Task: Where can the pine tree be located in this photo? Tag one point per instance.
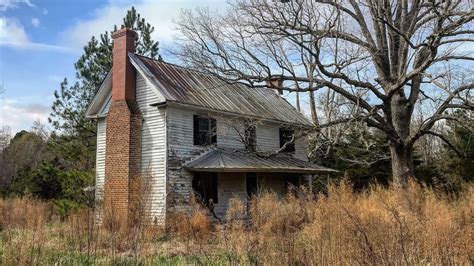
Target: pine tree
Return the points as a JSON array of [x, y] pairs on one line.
[[74, 134]]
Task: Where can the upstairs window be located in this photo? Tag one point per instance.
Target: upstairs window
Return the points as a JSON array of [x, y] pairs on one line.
[[204, 130], [286, 137], [250, 137]]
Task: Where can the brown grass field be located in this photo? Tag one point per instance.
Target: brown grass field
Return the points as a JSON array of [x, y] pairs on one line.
[[380, 226]]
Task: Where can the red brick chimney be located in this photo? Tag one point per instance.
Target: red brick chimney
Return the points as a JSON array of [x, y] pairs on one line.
[[123, 135], [275, 83]]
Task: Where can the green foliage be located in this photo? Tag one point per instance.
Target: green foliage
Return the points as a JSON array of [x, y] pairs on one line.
[[64, 207], [460, 157], [455, 165], [25, 153], [49, 182], [362, 155]]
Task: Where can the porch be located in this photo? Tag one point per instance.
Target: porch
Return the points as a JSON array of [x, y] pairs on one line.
[[222, 174]]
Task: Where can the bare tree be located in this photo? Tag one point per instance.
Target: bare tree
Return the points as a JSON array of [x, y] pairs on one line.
[[383, 57]]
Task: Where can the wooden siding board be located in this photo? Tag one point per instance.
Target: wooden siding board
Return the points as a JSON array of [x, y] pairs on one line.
[[100, 159], [153, 150]]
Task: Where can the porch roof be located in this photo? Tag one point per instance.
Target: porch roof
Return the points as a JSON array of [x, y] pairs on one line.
[[229, 160]]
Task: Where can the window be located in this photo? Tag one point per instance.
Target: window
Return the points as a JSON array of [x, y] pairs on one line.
[[204, 130], [286, 135], [205, 186], [251, 184], [251, 137]]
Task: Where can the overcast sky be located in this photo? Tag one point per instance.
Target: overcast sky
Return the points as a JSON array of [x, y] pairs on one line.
[[41, 40]]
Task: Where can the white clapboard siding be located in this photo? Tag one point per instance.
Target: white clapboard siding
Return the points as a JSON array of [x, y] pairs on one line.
[[228, 133], [180, 139], [100, 159], [180, 131], [301, 148], [268, 137], [153, 149]]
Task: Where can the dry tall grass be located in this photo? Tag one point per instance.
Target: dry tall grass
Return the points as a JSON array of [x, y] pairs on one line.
[[380, 226]]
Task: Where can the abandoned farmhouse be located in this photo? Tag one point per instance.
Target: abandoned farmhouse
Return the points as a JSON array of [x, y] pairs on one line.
[[192, 136]]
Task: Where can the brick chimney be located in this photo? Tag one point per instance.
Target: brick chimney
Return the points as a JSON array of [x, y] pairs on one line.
[[275, 83], [123, 135]]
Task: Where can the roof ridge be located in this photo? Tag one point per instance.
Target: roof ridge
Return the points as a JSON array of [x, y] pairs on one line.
[[173, 64], [201, 72]]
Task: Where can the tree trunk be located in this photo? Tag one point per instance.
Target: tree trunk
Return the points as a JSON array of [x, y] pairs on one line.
[[402, 163]]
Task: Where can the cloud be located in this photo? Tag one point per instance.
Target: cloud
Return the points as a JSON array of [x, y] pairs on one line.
[[159, 14], [45, 11], [7, 4], [35, 22], [18, 115], [13, 34]]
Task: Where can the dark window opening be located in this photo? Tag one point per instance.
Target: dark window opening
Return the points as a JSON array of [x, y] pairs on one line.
[[204, 130], [251, 183], [286, 137], [251, 137], [292, 182], [205, 186]]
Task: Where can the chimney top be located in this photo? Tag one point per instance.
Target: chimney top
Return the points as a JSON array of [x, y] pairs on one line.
[[122, 32], [275, 83], [123, 73]]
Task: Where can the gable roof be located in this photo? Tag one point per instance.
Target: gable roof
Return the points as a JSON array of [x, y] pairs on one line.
[[180, 85], [222, 160]]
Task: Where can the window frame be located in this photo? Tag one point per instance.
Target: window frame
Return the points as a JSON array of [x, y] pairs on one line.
[[204, 136]]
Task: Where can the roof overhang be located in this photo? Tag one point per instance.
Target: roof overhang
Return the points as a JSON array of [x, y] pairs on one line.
[[100, 97], [228, 160]]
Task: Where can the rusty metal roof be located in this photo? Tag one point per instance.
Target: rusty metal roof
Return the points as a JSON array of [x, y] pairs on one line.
[[228, 160], [182, 85]]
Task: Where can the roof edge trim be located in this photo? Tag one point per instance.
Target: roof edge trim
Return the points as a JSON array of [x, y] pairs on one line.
[[94, 107]]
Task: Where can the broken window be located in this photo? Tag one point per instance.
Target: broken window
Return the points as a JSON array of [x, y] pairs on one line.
[[286, 138], [205, 186], [204, 130]]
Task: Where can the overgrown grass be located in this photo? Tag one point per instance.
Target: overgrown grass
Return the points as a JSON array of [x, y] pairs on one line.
[[380, 226]]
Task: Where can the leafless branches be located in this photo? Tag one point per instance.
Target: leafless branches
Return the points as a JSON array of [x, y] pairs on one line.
[[377, 55]]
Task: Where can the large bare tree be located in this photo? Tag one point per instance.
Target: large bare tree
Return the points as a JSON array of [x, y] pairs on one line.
[[385, 57]]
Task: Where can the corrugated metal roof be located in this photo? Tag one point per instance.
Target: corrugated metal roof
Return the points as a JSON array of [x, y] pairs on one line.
[[186, 86], [228, 160]]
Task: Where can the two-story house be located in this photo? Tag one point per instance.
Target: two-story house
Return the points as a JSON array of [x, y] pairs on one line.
[[191, 135]]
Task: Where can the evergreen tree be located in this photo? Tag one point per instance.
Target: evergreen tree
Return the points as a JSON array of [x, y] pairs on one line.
[[458, 157], [75, 135]]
